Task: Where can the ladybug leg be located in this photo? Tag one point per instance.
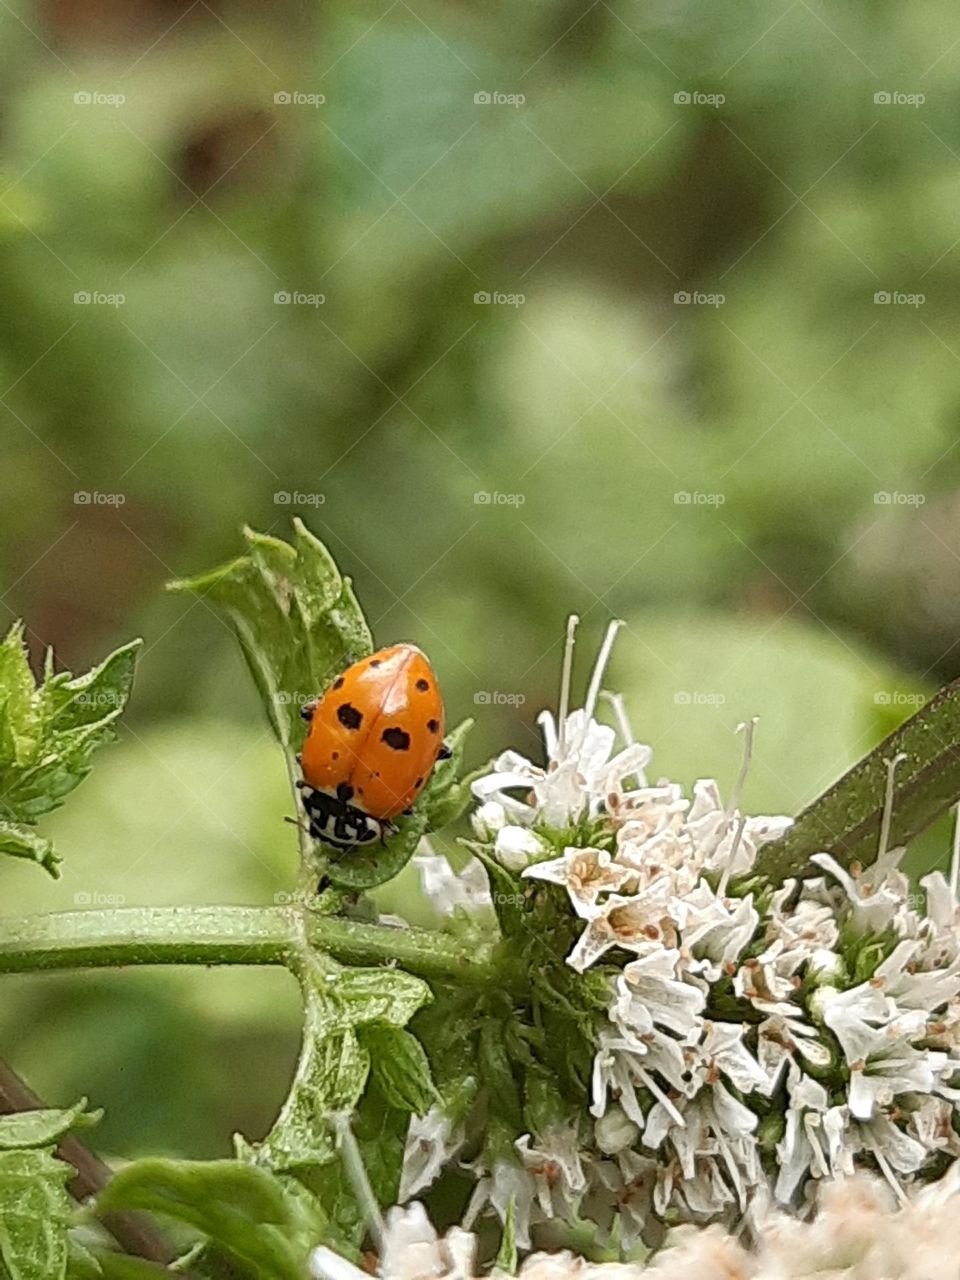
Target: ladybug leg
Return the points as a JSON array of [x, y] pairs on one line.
[[307, 710], [444, 753]]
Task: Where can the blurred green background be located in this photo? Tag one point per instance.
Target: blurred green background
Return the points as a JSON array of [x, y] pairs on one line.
[[713, 390]]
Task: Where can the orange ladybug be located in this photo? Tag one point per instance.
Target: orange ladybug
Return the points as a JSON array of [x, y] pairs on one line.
[[373, 740]]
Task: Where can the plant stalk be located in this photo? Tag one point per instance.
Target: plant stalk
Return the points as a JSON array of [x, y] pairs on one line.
[[117, 937]]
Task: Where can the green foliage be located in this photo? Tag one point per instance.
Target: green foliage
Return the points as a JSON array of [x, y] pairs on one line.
[[847, 820], [48, 732], [296, 618], [399, 1066], [44, 1127], [34, 1214], [335, 1060], [241, 1209]]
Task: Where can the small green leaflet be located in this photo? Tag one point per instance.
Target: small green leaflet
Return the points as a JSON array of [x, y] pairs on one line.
[[400, 1067], [48, 732], [240, 1208], [507, 1253], [334, 1063], [43, 1128], [296, 618], [34, 1215]]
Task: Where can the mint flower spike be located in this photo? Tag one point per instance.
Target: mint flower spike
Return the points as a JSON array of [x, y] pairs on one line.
[[580, 774], [746, 1039]]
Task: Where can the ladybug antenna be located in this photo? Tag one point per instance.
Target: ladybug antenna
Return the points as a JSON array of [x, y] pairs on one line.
[[356, 1173], [566, 670]]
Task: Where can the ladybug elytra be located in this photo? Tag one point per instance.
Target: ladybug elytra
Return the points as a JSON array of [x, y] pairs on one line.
[[373, 740]]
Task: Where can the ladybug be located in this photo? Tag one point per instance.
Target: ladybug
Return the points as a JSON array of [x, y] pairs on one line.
[[373, 740]]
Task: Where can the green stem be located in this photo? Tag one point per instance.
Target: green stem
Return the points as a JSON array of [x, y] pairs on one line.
[[227, 935]]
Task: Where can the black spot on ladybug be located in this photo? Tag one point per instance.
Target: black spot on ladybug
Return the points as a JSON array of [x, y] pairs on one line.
[[423, 685], [433, 725], [375, 662], [336, 755], [338, 683], [344, 791], [418, 783], [349, 716], [397, 738]]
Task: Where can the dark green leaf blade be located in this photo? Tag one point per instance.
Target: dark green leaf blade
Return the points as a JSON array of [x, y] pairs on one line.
[[400, 1067], [845, 821], [239, 1207]]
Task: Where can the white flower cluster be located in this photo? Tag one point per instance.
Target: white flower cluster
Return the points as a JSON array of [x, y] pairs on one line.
[[859, 1233], [754, 1040]]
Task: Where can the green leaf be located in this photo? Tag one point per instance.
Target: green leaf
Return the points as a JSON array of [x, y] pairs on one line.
[[115, 1266], [373, 995], [21, 842], [442, 801], [334, 1063], [380, 1131], [400, 1067], [34, 1215], [43, 1128], [845, 821], [296, 618], [48, 733], [20, 726], [507, 1253], [240, 1208]]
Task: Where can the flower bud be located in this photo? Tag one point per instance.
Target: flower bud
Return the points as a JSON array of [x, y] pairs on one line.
[[515, 846], [488, 819], [615, 1131]]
